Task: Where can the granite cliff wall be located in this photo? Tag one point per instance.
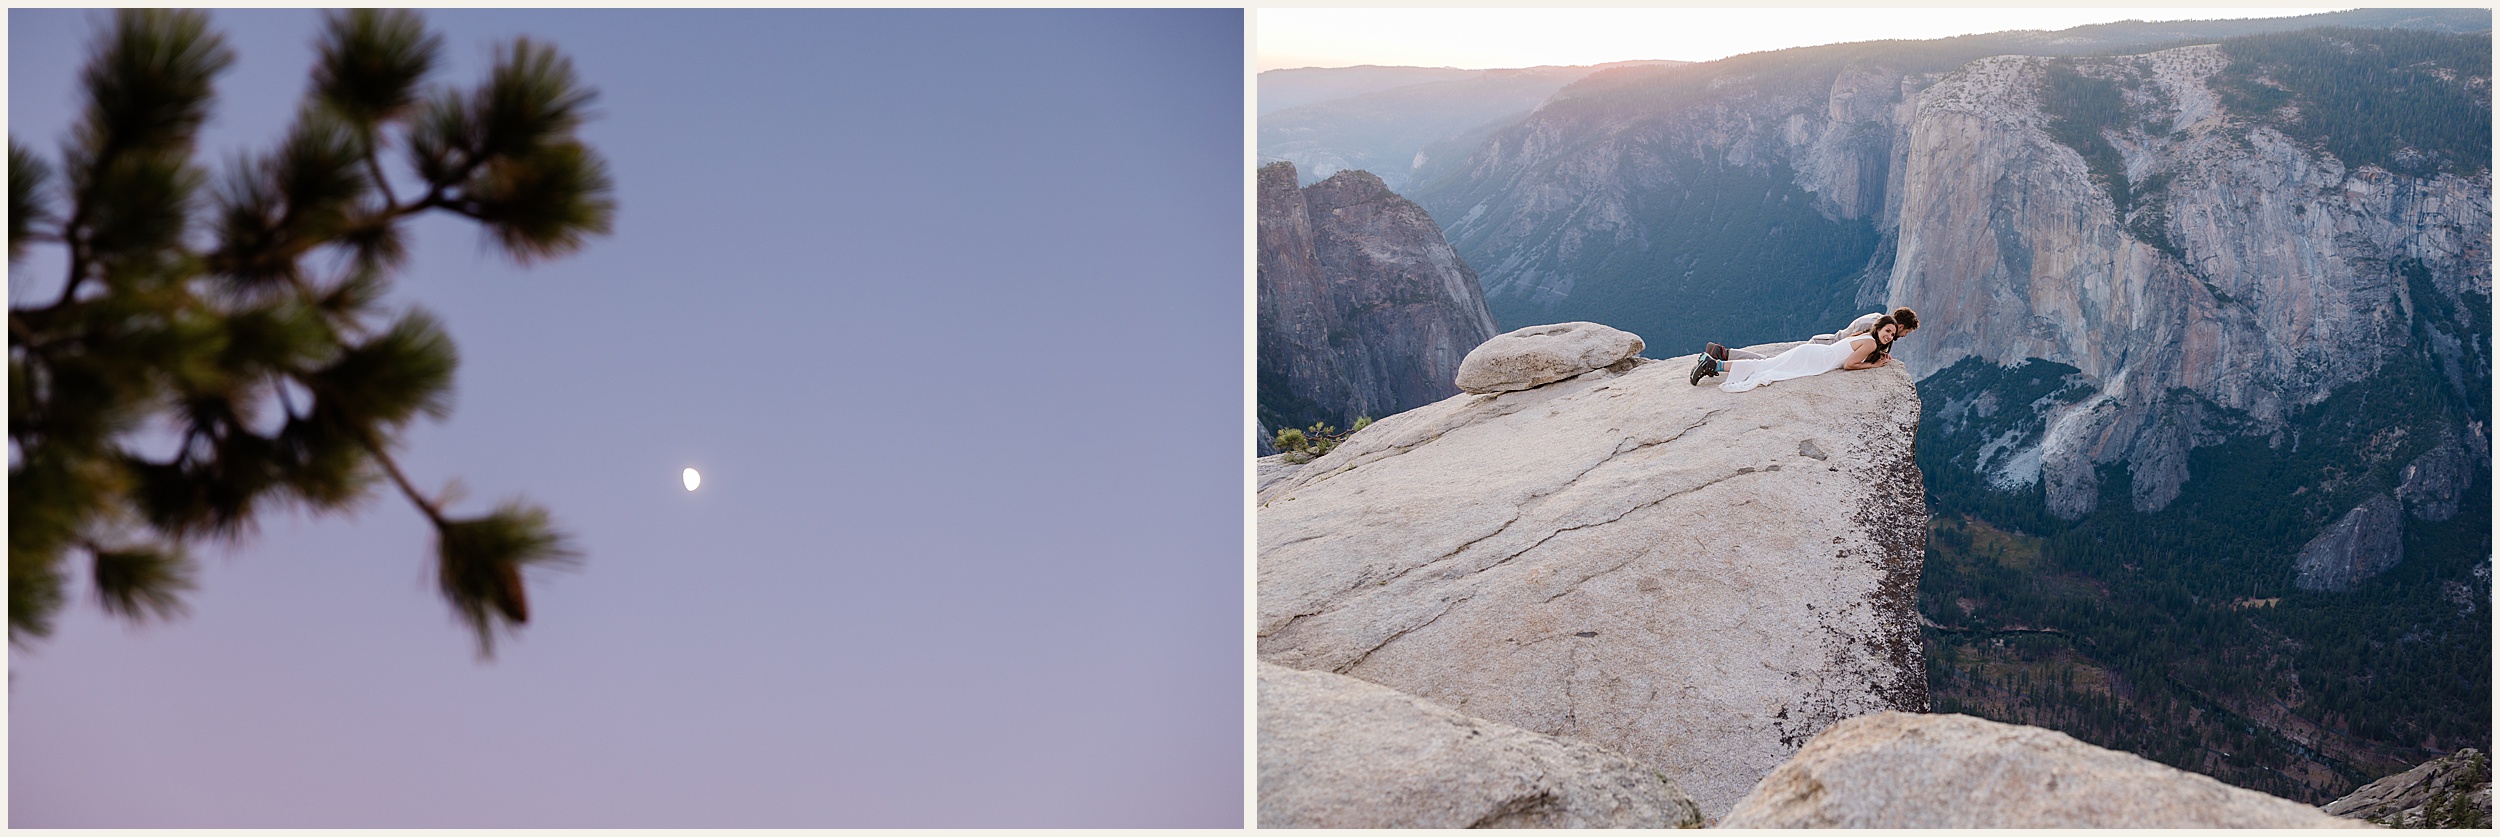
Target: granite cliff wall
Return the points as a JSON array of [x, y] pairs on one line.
[[2230, 275], [1363, 309], [2261, 276]]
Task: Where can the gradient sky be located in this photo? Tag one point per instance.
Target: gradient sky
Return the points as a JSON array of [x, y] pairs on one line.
[[947, 307], [1502, 38]]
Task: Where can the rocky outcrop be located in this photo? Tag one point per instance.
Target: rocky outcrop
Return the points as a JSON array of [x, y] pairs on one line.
[[2449, 792], [1336, 752], [1698, 580], [1363, 309], [2433, 483], [1540, 355], [1899, 770], [2363, 543]]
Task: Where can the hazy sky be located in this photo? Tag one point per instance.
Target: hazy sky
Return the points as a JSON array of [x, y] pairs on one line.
[[946, 305], [1501, 38]]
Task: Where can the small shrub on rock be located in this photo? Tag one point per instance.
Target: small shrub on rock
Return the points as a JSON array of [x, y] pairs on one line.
[[1301, 446]]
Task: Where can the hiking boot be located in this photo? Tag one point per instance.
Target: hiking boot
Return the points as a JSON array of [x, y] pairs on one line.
[[1703, 368], [1715, 351]]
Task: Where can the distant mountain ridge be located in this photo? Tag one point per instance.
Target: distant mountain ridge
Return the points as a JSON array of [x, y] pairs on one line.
[[1396, 131], [1757, 198], [1282, 89]]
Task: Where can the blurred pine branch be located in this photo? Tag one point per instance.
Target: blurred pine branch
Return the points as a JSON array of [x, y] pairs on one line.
[[269, 351]]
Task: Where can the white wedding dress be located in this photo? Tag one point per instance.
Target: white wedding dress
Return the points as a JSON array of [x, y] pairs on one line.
[[1803, 360]]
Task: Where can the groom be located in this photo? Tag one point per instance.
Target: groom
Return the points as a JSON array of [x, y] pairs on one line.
[[1863, 324]]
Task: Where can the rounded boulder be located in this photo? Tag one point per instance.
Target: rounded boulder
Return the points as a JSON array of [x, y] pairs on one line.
[[1540, 355]]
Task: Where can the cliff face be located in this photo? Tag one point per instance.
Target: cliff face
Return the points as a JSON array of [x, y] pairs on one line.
[[2365, 542], [1767, 196], [1698, 580], [1363, 309], [2262, 277]]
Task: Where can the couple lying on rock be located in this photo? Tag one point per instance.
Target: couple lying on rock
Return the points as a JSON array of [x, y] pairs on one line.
[[1865, 344]]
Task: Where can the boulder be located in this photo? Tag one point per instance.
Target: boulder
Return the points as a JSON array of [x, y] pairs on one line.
[[1901, 770], [2447, 792], [1621, 558], [2365, 542], [1336, 752], [1540, 355]]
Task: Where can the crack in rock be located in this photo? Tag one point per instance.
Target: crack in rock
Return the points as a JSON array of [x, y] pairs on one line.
[[1303, 539], [1289, 623], [1497, 531], [1526, 507], [1446, 607], [1463, 418], [1575, 586], [1618, 516]]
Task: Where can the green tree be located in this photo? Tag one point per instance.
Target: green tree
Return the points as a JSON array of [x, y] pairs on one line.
[[242, 324]]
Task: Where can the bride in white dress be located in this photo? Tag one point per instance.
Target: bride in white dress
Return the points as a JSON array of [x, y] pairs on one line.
[[1864, 351]]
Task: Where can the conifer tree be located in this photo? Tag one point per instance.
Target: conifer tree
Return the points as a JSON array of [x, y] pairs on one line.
[[246, 317]]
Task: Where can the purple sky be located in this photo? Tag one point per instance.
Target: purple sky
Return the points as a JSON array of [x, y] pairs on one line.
[[945, 305]]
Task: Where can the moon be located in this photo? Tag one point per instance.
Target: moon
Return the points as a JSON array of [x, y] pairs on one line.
[[693, 479]]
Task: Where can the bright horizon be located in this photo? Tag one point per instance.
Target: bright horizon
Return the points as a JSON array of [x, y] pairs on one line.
[[1478, 39]]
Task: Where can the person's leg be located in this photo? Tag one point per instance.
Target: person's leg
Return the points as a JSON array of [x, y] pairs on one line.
[[1725, 353]]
